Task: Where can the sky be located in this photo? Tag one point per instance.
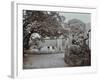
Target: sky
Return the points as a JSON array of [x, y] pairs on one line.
[[84, 17]]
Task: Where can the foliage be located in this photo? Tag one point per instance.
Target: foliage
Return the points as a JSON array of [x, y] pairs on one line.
[[79, 54], [43, 22]]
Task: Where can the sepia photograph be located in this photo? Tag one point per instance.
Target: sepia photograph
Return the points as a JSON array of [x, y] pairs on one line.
[[55, 39]]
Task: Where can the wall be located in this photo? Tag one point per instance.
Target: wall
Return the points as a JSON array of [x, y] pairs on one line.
[[5, 39]]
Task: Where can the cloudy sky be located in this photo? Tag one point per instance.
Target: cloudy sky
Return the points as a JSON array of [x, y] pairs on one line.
[[84, 17]]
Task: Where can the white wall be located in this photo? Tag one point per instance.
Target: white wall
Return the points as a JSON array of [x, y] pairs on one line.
[[5, 39]]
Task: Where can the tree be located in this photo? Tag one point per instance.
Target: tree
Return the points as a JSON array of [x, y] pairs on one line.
[[45, 23], [79, 53]]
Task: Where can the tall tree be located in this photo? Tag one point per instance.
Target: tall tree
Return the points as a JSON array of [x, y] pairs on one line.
[[45, 23]]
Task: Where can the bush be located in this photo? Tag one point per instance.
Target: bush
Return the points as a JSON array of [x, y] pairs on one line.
[[78, 56]]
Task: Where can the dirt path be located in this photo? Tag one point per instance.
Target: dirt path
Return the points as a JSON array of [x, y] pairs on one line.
[[34, 61]]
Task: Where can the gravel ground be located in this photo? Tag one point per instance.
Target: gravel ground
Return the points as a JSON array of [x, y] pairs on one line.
[[34, 61]]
